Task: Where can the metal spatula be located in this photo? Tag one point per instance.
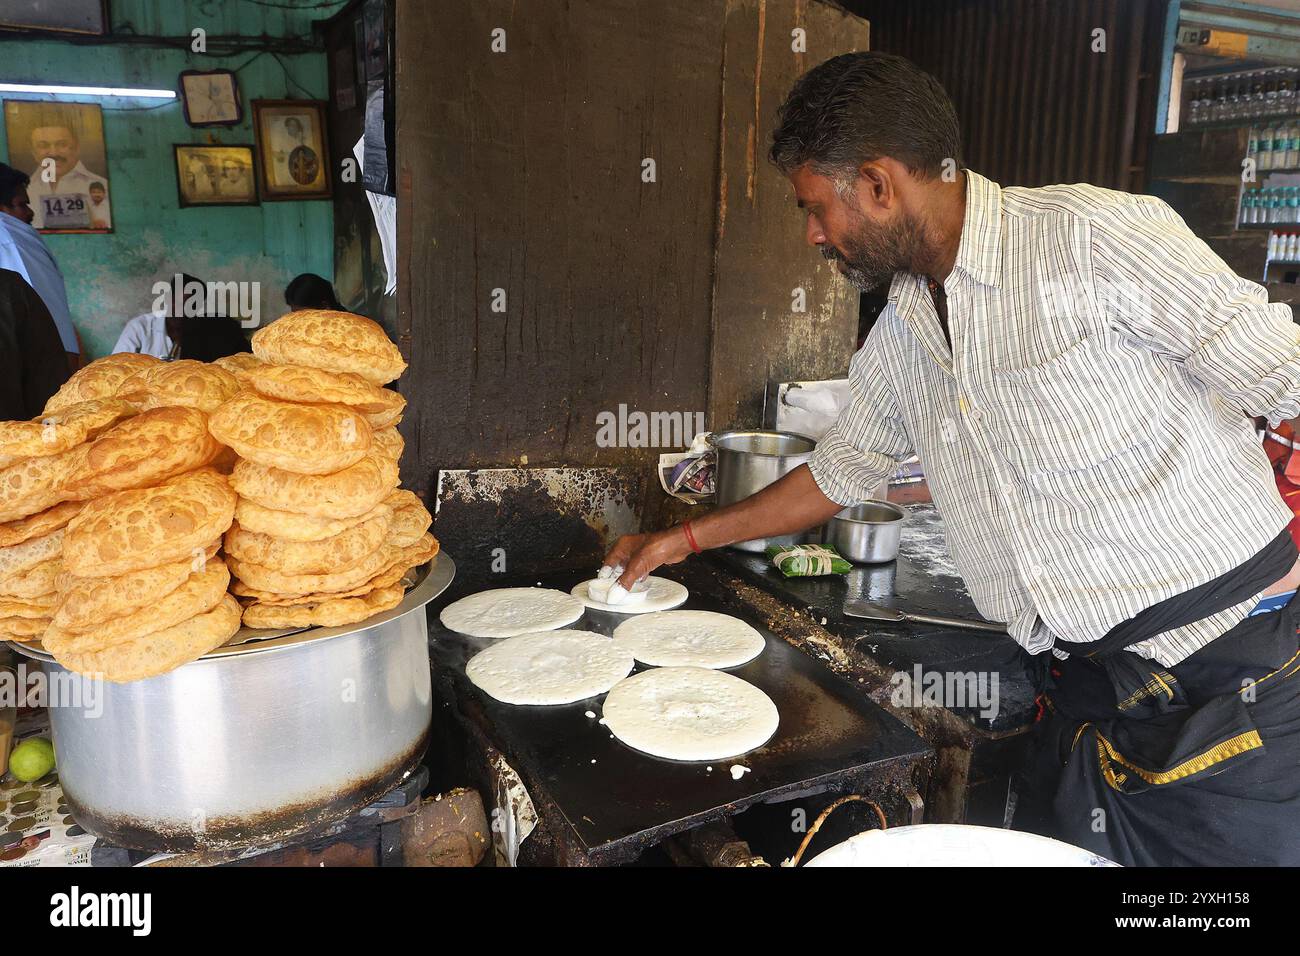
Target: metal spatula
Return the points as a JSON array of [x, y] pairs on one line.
[[874, 612]]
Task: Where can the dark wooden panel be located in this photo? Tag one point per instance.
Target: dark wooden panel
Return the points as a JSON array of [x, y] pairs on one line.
[[762, 256], [1200, 156], [522, 171], [1037, 104]]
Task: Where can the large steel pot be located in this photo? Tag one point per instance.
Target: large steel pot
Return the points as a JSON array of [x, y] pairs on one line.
[[749, 461], [270, 735]]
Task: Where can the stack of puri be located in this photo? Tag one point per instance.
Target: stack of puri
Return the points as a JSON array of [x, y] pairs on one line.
[[142, 590], [40, 463], [137, 512], [323, 535]]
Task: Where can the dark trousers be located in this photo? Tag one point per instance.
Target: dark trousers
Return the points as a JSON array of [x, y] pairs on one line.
[[1196, 764]]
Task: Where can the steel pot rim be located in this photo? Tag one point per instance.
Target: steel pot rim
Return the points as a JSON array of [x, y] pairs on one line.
[[900, 517], [715, 437], [431, 580]]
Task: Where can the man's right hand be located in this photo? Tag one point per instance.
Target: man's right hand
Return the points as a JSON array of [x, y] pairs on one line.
[[791, 504], [640, 554]]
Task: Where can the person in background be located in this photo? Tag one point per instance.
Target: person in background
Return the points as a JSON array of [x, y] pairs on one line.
[[151, 333], [22, 250], [32, 362], [207, 338], [310, 291], [167, 334]]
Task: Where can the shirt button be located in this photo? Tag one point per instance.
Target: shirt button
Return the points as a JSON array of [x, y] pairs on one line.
[[1038, 570], [976, 414], [1008, 491]]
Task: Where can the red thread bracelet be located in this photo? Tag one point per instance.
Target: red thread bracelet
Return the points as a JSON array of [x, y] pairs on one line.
[[690, 538]]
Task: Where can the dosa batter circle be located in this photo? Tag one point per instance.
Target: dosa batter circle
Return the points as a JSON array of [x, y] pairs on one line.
[[550, 667], [689, 713], [508, 612], [689, 639]]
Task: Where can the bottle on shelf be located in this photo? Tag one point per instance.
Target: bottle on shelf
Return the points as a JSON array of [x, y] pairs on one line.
[[1286, 83], [1264, 149], [1268, 104], [1195, 106], [1251, 95]]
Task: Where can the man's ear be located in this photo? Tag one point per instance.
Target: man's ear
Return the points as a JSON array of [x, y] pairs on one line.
[[875, 187]]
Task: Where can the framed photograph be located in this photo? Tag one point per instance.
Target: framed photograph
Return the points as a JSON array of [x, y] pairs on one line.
[[60, 146], [211, 98], [215, 175], [66, 16], [293, 152]]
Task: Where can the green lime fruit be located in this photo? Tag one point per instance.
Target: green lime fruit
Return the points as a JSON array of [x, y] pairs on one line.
[[32, 759]]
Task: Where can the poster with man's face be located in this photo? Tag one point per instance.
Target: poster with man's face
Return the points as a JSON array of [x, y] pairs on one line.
[[61, 147]]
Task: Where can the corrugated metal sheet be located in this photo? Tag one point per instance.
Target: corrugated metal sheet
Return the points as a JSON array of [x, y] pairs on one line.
[[1037, 104]]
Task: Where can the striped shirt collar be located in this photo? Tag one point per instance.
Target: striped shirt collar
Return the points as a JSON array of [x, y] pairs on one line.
[[979, 254]]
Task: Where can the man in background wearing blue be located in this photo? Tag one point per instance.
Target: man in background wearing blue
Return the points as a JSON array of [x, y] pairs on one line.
[[22, 250]]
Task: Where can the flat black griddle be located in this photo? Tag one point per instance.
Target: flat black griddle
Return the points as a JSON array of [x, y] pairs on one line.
[[618, 801], [922, 580]]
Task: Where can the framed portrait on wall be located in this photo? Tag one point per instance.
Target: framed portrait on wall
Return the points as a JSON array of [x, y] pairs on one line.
[[66, 16], [293, 151], [60, 146], [215, 175], [211, 98]]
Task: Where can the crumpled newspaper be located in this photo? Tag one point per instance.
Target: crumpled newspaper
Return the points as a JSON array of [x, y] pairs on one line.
[[690, 476]]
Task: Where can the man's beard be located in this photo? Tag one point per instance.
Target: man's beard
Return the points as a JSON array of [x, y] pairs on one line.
[[873, 254]]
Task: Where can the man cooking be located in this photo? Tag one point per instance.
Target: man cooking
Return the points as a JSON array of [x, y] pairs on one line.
[[1075, 370]]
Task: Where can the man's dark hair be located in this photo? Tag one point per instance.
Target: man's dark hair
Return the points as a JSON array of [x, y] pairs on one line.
[[310, 291], [11, 180], [857, 107]]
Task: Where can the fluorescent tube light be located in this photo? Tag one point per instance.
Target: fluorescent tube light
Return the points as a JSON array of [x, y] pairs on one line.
[[87, 90]]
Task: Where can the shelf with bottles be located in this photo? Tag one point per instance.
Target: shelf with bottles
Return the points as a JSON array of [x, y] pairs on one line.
[[1274, 147], [1283, 250], [1245, 96], [1267, 207]]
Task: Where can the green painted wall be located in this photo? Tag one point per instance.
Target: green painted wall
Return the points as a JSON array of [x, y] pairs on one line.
[[109, 277]]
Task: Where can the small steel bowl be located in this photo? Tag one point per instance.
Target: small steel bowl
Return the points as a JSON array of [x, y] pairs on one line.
[[868, 533]]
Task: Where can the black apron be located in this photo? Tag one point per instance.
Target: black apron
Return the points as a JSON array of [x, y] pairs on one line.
[[1196, 764]]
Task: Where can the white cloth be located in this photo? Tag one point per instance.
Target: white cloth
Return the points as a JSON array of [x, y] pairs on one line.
[[147, 335], [1088, 442], [810, 408], [75, 180], [23, 250], [384, 211]]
